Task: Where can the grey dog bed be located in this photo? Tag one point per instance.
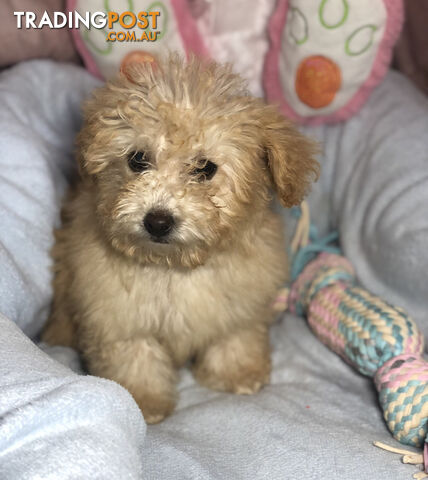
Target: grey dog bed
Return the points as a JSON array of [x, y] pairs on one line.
[[316, 420]]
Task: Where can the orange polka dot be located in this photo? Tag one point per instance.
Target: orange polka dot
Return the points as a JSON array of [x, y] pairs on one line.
[[318, 79], [137, 56]]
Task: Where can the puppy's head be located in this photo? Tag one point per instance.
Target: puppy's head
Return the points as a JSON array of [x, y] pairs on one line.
[[182, 160]]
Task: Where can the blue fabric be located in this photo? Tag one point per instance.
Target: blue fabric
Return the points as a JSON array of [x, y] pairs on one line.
[[318, 417]]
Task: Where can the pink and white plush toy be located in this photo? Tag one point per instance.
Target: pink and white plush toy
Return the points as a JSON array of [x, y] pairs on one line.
[[318, 59], [327, 55], [220, 29], [176, 26]]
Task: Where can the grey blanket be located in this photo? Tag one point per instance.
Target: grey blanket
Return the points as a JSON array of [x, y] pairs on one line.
[[318, 417]]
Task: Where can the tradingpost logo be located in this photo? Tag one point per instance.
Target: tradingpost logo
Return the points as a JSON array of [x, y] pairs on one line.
[[118, 26]]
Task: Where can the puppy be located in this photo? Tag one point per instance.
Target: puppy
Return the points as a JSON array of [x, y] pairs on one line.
[[169, 251]]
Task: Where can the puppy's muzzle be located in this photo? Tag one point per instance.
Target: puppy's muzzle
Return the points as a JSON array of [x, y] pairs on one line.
[[159, 225]]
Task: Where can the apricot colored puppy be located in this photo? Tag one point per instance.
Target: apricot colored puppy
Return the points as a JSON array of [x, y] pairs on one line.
[[169, 250]]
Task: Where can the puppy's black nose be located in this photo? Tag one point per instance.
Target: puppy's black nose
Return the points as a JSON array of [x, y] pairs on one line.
[[158, 223]]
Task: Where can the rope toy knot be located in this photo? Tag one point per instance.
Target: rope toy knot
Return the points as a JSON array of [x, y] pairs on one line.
[[402, 383]]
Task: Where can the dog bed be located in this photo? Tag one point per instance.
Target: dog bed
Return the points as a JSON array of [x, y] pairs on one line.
[[317, 419]]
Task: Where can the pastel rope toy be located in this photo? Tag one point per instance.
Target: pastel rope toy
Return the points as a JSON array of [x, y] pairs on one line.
[[379, 340]]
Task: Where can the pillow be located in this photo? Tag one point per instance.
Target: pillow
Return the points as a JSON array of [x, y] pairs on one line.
[[24, 44], [188, 26], [176, 27], [39, 119], [239, 36], [324, 60], [327, 56]]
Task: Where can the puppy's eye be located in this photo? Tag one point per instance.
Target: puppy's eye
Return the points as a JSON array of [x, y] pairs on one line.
[[139, 161], [206, 171]]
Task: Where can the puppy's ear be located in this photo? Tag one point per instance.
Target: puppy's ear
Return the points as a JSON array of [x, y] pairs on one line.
[[290, 157], [87, 169], [84, 171], [91, 152]]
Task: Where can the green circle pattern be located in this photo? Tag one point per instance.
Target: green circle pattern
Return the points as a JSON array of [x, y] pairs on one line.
[[340, 22], [296, 11], [351, 53]]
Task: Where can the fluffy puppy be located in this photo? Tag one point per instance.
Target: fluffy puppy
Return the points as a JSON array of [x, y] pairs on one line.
[[168, 251]]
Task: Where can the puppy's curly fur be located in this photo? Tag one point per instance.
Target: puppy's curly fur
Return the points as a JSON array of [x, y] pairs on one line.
[[139, 307]]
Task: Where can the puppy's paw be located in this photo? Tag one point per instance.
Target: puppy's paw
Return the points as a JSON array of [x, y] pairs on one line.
[[234, 378], [238, 364], [155, 408], [144, 368], [250, 384]]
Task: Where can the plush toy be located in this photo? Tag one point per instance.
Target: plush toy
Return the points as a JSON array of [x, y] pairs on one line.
[[223, 30], [379, 340], [323, 60], [326, 56], [175, 25]]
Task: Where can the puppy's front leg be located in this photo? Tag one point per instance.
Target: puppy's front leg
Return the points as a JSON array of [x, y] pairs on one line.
[[238, 363], [144, 368]]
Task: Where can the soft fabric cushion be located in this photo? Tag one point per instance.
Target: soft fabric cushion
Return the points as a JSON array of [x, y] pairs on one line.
[[187, 26], [175, 26], [318, 417], [326, 57], [24, 44], [56, 424], [239, 36], [38, 120]]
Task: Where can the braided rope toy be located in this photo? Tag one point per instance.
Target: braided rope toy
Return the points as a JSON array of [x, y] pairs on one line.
[[376, 338]]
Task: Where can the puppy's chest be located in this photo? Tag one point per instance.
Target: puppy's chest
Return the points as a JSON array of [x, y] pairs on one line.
[[171, 303]]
